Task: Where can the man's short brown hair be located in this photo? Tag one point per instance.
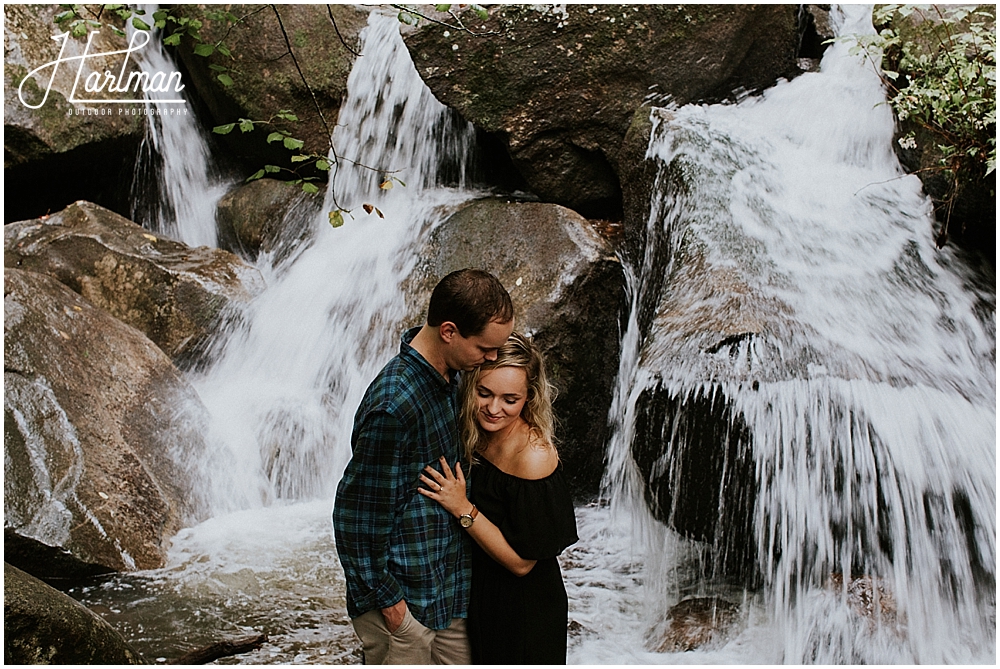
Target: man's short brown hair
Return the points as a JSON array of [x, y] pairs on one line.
[[469, 298]]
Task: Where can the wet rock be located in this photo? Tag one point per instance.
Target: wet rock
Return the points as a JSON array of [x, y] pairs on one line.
[[866, 596], [694, 623], [96, 419], [173, 293], [265, 78], [560, 84], [253, 217], [53, 564], [60, 142], [816, 29], [693, 452], [43, 626], [568, 289]]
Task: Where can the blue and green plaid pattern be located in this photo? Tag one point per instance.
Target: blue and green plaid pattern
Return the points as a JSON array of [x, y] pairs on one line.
[[393, 542]]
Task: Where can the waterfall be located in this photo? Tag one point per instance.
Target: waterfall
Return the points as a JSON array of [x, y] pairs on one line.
[[175, 156], [807, 386], [289, 374]]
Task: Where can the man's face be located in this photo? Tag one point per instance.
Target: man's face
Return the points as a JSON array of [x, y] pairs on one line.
[[467, 353]]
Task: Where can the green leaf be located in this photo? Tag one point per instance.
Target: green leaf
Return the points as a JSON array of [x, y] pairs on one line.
[[310, 188], [442, 8], [291, 143], [271, 169], [275, 137], [246, 125], [204, 49], [160, 15], [300, 158], [172, 40], [65, 16], [139, 24], [225, 80], [217, 68], [480, 12], [323, 165], [336, 219], [224, 129], [118, 31], [224, 50], [407, 18], [256, 175], [160, 25]]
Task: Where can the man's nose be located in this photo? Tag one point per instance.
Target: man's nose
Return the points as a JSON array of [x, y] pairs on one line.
[[491, 356]]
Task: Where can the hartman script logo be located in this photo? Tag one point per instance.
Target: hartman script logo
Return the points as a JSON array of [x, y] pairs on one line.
[[107, 86]]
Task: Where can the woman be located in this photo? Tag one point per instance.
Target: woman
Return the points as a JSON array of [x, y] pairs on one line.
[[521, 515]]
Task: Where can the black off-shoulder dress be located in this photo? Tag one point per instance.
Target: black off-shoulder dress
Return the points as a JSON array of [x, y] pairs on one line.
[[521, 620]]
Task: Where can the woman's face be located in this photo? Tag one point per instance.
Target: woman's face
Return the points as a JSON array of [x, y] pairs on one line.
[[500, 396]]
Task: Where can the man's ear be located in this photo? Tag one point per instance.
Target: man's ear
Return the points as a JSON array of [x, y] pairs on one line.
[[448, 331]]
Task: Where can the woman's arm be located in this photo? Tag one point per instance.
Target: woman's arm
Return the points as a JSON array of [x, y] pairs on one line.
[[448, 490]]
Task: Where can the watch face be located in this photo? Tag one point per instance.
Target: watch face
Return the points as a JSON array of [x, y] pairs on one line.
[[465, 521]]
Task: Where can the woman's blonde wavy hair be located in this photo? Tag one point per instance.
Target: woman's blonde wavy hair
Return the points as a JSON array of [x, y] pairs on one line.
[[519, 351]]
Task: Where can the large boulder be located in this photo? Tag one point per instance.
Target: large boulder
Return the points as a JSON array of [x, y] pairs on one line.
[[267, 71], [568, 289], [173, 293], [560, 85], [265, 215], [96, 420], [49, 139], [43, 626]]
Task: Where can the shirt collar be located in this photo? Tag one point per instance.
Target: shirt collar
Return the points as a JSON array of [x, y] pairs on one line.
[[410, 353]]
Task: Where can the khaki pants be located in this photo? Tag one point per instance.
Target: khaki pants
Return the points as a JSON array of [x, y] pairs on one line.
[[412, 643]]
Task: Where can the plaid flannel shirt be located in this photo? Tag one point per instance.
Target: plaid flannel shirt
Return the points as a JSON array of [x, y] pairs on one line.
[[393, 542]]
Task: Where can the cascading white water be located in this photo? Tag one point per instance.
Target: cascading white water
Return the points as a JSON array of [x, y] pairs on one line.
[[859, 359], [175, 149], [795, 200], [283, 391]]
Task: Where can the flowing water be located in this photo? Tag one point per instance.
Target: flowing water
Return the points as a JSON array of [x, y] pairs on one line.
[[174, 162], [856, 364]]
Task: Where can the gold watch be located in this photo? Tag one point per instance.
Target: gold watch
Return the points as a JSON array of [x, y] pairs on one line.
[[466, 519]]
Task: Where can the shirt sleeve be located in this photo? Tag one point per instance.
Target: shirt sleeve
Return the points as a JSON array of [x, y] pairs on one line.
[[363, 512]]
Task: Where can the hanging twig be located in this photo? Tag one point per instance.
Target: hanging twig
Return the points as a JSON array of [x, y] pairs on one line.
[[329, 10], [312, 94], [237, 22], [460, 26]]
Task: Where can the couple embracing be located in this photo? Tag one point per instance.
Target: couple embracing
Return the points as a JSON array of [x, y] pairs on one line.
[[451, 513]]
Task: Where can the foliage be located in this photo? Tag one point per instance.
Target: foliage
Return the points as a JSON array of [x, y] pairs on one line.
[[939, 68], [411, 16]]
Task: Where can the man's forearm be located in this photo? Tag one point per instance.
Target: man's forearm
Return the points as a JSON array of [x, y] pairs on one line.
[[394, 615]]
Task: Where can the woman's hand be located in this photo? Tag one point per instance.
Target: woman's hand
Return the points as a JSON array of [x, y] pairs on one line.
[[446, 489]]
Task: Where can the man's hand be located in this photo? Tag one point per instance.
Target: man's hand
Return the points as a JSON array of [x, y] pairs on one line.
[[394, 615]]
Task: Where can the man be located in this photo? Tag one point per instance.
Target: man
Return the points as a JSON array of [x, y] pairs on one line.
[[405, 558]]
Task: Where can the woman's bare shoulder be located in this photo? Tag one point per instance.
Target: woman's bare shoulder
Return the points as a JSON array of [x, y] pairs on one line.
[[538, 460]]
